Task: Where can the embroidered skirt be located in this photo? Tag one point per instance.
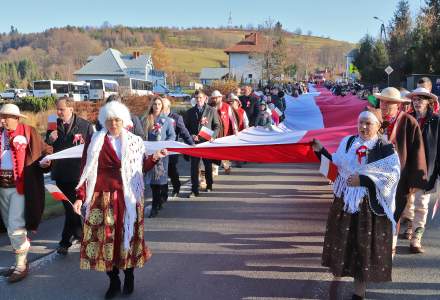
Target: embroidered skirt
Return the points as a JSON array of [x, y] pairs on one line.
[[102, 245], [358, 245]]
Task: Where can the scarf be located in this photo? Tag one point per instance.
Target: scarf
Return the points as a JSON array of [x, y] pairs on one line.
[[132, 154], [391, 123], [385, 174]]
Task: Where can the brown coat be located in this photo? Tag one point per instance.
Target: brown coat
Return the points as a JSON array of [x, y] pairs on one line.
[[34, 193], [408, 140]]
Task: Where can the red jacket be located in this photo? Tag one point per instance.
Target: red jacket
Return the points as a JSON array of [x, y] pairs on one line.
[[227, 118]]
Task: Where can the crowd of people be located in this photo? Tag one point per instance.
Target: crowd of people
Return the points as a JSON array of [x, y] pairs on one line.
[[386, 174], [110, 178]]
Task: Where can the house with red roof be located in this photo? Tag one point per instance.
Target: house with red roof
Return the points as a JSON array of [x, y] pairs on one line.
[[246, 58]]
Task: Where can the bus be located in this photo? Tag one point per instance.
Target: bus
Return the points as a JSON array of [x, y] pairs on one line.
[[77, 90], [102, 89], [135, 87]]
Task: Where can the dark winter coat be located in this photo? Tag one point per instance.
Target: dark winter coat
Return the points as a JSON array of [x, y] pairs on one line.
[[68, 170]]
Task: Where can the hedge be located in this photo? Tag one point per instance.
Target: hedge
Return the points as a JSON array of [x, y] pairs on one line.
[[35, 104]]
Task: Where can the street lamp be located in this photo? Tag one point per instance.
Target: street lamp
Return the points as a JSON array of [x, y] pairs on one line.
[[382, 29]]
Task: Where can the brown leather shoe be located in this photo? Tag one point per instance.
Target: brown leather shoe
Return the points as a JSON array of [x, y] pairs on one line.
[[7, 272], [416, 249], [18, 275]]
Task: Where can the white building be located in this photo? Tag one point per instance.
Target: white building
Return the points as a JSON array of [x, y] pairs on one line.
[[111, 64], [245, 58], [208, 75]]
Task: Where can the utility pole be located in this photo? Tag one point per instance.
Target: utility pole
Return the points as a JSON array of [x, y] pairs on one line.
[[383, 32]]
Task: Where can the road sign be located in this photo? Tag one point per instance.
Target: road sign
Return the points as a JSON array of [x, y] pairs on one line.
[[389, 70]]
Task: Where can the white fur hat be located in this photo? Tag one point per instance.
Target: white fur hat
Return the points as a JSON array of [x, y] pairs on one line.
[[115, 109]]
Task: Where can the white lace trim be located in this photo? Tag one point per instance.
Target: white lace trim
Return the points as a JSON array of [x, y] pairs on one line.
[[385, 173], [132, 152]]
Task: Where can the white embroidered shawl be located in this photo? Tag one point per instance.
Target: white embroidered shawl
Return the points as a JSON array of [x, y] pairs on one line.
[[132, 154], [385, 173]]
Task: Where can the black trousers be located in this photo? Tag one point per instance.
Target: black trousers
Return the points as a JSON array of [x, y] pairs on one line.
[[72, 222], [173, 173], [195, 161], [159, 194]]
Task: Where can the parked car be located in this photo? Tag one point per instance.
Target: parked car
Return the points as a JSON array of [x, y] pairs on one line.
[[13, 94]]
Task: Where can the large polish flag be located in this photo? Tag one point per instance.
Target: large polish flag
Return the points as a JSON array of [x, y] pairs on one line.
[[317, 114]]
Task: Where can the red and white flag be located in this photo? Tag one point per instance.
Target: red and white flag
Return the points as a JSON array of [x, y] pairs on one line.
[[206, 133], [315, 115], [277, 111], [435, 208], [55, 191], [328, 169], [52, 122]]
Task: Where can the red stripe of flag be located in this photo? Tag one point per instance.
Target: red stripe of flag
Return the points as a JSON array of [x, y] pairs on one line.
[[55, 192]]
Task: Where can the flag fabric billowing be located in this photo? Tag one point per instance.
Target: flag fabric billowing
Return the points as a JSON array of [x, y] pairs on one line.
[[328, 169], [315, 115], [55, 191]]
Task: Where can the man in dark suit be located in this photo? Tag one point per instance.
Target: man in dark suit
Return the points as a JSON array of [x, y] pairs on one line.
[[181, 132], [201, 115], [250, 104], [71, 131]]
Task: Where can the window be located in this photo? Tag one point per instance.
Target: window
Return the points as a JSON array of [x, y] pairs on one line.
[[96, 84], [61, 88], [42, 85], [110, 87], [250, 76]]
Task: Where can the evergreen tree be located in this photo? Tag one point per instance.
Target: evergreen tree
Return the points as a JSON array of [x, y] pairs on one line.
[[371, 60], [431, 16], [279, 53], [399, 42], [418, 57]]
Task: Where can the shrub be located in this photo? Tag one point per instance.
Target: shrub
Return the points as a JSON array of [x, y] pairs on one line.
[[35, 104], [223, 86]]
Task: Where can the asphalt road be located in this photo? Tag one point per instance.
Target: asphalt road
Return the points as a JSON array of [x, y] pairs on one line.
[[258, 235]]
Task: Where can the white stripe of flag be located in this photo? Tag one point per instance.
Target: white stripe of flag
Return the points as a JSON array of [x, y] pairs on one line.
[[328, 169], [435, 208], [55, 191]]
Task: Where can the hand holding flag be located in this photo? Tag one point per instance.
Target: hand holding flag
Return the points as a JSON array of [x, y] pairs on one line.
[[328, 169], [58, 195], [206, 133]]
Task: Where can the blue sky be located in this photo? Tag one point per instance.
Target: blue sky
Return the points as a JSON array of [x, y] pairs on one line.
[[347, 20]]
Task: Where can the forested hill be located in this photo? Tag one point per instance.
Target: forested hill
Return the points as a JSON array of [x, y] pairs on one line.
[[57, 53]]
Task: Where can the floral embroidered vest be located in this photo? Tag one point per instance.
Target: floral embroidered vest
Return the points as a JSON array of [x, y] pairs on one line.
[[18, 141]]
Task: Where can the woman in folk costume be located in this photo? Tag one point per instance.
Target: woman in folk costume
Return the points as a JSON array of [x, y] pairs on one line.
[[111, 188], [360, 222], [158, 127]]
